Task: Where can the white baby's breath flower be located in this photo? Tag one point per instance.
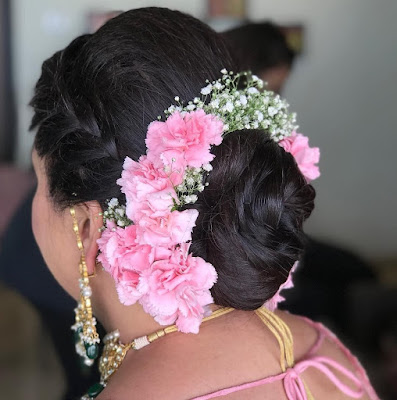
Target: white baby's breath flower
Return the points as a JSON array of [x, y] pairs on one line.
[[190, 107], [176, 98], [193, 198], [272, 111], [218, 86], [206, 90], [224, 71], [207, 167], [113, 202], [259, 115], [228, 106], [243, 100], [252, 90], [120, 211], [190, 181], [215, 103]]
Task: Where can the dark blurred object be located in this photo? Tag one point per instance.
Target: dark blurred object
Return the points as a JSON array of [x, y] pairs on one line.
[[7, 107], [263, 49], [22, 268], [372, 314], [14, 185], [294, 36], [323, 282]]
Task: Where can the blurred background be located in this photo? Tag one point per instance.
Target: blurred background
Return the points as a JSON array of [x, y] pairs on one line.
[[343, 88]]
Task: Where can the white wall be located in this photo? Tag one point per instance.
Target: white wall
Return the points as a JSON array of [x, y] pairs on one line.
[[343, 88]]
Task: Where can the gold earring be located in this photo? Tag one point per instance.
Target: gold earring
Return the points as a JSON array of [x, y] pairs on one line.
[[86, 336]]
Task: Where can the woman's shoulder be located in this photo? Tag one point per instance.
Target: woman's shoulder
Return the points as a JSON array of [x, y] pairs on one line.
[[233, 349], [229, 352]]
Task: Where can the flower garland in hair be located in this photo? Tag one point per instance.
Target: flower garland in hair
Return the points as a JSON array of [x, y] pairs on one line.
[[145, 243]]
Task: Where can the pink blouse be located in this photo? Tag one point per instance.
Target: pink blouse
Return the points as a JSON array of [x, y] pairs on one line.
[[293, 384]]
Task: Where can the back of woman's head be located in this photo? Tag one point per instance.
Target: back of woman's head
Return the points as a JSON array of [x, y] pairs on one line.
[[93, 103]]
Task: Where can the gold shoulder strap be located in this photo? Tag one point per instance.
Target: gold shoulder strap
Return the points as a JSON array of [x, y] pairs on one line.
[[285, 340], [283, 335]]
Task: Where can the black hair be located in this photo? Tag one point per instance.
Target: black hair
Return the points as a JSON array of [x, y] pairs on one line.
[[251, 216], [259, 46], [92, 105]]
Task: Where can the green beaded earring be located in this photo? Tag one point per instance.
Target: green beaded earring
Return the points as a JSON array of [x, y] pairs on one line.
[[86, 336]]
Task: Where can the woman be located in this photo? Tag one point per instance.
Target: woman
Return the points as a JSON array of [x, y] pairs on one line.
[[200, 231]]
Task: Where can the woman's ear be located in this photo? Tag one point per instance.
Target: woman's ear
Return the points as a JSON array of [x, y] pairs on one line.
[[90, 223]]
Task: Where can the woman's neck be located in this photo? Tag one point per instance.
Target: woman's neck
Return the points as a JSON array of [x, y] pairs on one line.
[[131, 321]]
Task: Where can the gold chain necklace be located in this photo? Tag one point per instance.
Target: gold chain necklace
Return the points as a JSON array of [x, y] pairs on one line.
[[114, 351]]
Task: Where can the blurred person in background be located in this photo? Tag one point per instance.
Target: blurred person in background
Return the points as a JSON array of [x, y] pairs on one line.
[[263, 49]]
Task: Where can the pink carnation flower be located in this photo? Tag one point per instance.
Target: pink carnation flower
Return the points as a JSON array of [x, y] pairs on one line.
[[306, 157], [148, 190], [273, 303], [167, 231], [184, 139], [120, 254], [128, 288], [178, 289]]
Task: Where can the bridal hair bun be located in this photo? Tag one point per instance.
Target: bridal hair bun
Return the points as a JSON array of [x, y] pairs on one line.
[[251, 230]]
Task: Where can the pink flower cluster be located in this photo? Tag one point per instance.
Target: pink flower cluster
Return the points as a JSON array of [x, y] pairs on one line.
[[150, 260], [306, 157]]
